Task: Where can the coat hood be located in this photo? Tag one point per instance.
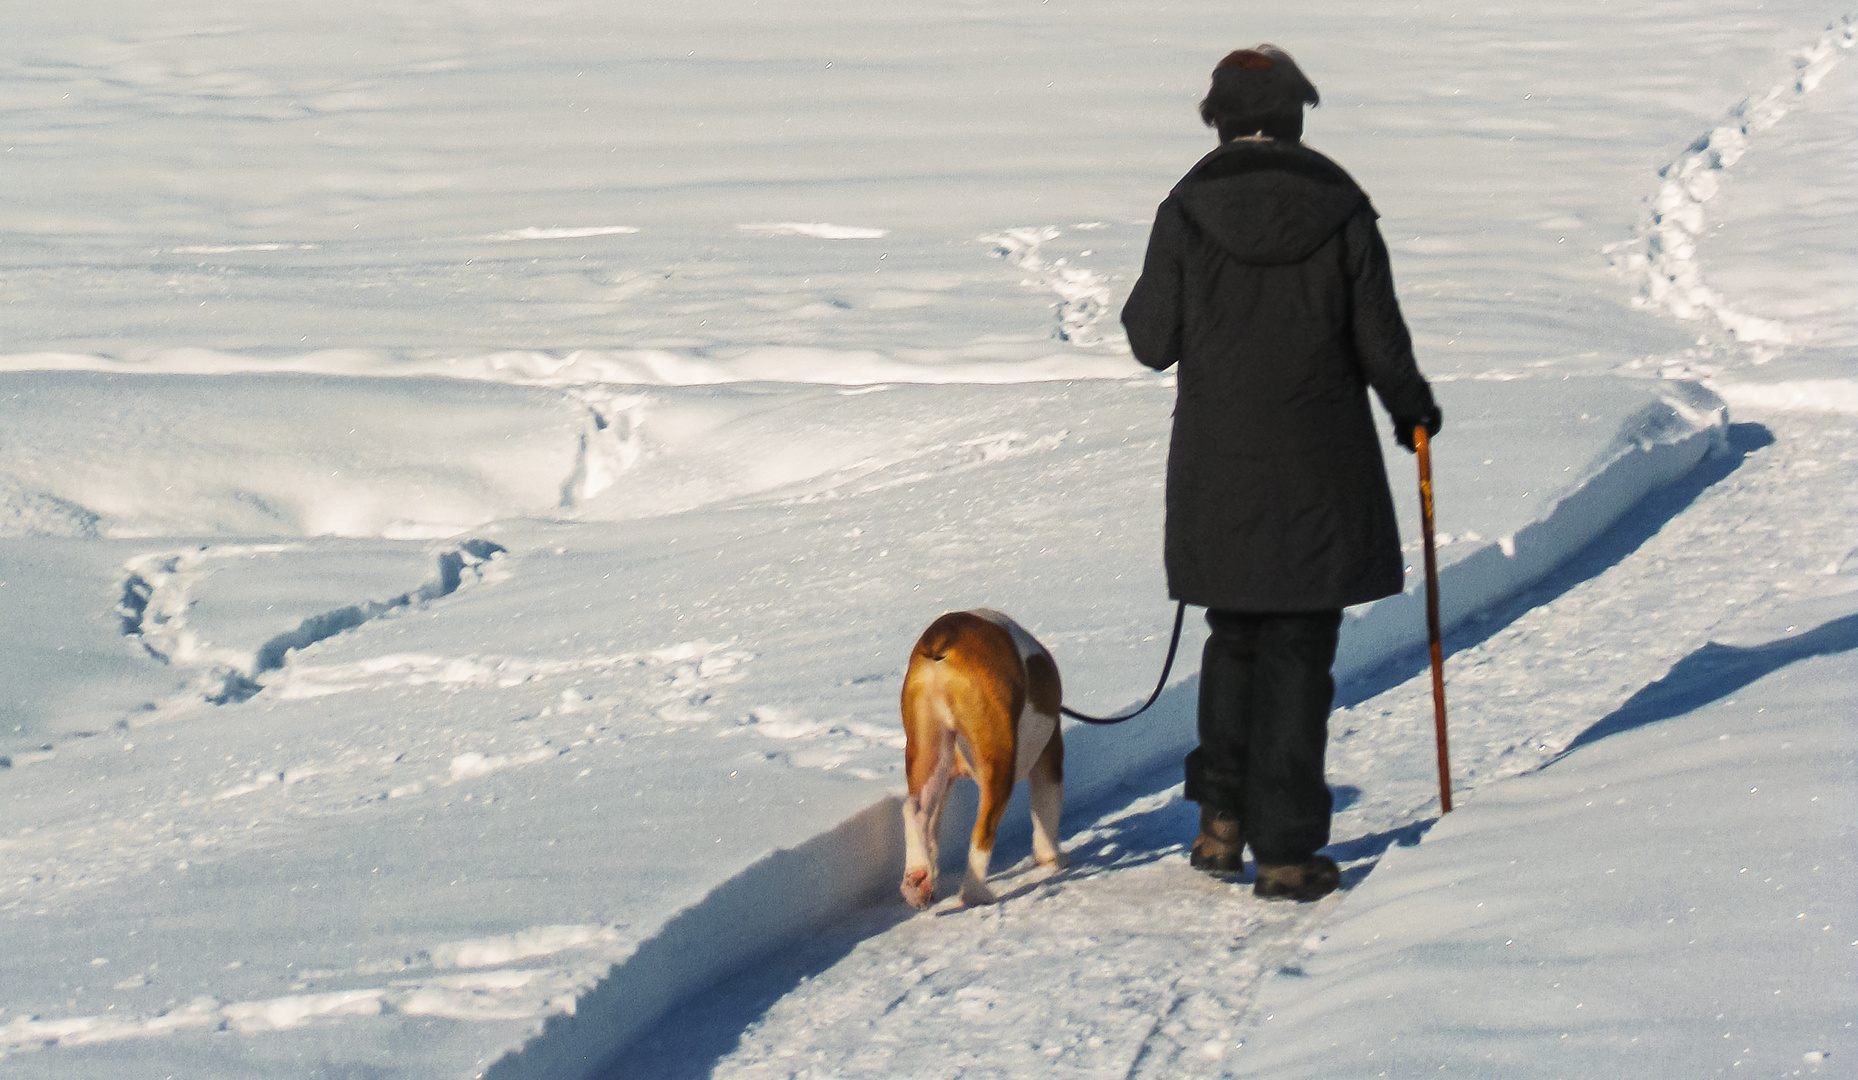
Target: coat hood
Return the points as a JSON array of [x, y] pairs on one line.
[[1268, 202]]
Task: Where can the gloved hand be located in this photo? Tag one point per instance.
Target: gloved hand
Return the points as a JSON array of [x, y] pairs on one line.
[[1431, 419]]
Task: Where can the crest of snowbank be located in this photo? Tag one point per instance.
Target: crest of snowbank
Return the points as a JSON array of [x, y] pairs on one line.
[[581, 953], [574, 232], [641, 367], [819, 230], [411, 458], [1799, 395]]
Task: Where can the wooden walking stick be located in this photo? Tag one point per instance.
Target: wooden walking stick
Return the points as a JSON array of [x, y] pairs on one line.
[[1423, 447]]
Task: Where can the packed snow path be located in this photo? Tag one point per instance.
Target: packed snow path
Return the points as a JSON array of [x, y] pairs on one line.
[[1130, 964]]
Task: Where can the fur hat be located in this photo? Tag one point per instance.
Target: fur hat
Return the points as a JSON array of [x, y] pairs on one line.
[[1252, 84]]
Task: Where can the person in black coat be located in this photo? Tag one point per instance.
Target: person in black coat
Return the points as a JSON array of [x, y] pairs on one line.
[[1267, 282]]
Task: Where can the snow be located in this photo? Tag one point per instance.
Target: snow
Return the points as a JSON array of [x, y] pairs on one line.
[[1665, 254], [1133, 964], [1709, 931], [508, 747], [471, 477]]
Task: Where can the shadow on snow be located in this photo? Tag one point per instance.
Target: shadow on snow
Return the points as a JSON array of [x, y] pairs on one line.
[[1712, 673]]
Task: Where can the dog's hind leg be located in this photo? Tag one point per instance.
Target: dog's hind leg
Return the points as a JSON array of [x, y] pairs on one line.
[[1044, 696], [995, 778], [931, 768], [1048, 801]]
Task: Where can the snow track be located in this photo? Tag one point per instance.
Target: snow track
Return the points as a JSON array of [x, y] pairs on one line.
[[159, 591], [1083, 294], [1661, 259], [1130, 964]]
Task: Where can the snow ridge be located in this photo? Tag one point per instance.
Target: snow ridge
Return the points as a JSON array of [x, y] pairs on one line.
[[1655, 446], [817, 230], [1661, 258], [26, 512], [475, 979]]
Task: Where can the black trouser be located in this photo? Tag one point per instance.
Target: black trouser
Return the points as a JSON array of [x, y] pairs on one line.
[[1265, 695]]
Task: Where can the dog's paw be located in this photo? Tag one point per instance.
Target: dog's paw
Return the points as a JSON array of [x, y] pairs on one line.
[[919, 888], [1057, 860]]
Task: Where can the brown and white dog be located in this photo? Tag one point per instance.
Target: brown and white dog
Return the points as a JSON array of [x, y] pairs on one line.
[[980, 699]]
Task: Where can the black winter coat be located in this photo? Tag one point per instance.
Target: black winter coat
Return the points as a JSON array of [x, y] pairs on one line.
[[1267, 280]]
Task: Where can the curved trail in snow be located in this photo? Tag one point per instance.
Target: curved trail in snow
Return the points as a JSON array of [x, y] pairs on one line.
[[1130, 964], [1661, 260]]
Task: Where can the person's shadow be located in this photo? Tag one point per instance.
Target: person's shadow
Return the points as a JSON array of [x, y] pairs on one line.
[[1712, 673]]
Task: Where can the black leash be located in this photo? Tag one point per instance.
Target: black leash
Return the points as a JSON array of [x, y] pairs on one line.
[[1174, 644]]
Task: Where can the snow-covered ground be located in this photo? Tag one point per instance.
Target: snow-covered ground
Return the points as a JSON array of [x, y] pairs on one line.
[[470, 478], [1534, 897], [1673, 900], [577, 731]]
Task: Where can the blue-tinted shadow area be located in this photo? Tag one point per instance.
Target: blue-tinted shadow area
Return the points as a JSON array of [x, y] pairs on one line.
[[1714, 672]]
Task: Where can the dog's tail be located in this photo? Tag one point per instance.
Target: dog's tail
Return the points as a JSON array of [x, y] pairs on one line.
[[963, 664], [940, 639]]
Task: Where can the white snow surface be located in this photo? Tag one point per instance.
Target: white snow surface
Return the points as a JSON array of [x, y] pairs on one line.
[[1673, 900], [470, 477]]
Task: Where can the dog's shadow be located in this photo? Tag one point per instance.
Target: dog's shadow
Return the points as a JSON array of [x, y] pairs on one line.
[[1021, 879], [1096, 845], [1154, 822]]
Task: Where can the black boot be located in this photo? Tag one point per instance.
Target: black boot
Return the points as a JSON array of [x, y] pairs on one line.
[[1302, 882], [1220, 847]]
